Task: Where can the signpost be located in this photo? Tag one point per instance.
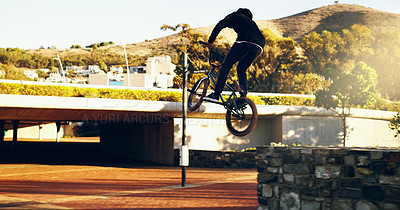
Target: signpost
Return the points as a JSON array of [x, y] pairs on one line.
[[184, 151]]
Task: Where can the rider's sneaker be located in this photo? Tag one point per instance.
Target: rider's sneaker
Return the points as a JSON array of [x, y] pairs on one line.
[[213, 97], [243, 93]]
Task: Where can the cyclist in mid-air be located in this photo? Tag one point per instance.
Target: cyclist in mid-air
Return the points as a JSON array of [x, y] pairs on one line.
[[247, 47]]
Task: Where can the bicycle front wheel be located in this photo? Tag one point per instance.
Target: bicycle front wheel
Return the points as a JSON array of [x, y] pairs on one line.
[[197, 93], [241, 118]]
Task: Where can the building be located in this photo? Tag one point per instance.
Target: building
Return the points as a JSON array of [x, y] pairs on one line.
[[31, 74], [159, 72], [93, 68], [99, 79], [54, 77], [137, 69], [80, 80], [76, 69], [117, 70]]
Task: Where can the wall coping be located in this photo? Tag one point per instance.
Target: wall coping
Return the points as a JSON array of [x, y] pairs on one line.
[[172, 109], [335, 148]]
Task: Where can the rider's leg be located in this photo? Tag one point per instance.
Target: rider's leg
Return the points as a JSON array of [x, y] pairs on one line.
[[242, 67], [233, 56]]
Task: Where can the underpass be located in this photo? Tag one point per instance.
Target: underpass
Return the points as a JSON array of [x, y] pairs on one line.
[[149, 130]]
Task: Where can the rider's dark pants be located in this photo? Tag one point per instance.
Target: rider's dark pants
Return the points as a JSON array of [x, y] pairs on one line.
[[245, 53]]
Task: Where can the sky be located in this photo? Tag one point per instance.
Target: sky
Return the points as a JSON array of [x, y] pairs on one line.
[[30, 24]]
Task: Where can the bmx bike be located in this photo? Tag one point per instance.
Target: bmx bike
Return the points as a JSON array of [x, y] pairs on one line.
[[241, 112]]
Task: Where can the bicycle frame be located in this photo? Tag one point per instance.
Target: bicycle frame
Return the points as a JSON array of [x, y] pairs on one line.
[[241, 112], [213, 78]]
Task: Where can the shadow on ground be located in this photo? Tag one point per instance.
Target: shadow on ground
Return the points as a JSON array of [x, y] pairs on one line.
[[63, 153]]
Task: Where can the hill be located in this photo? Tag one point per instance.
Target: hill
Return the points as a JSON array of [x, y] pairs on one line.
[[332, 18], [335, 18]]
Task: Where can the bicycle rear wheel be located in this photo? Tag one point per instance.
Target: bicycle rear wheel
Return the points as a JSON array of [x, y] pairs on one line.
[[197, 93], [241, 119]]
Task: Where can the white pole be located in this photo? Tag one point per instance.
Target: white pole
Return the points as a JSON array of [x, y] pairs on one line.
[[62, 70], [127, 68], [184, 152]]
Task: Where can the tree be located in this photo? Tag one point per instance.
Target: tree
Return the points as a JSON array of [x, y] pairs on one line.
[[319, 51], [41, 73], [10, 72], [395, 124], [301, 83], [75, 46], [331, 54], [348, 90], [197, 54], [103, 65], [279, 56], [386, 61]]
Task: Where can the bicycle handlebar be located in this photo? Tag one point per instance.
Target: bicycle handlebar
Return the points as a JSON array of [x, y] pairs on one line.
[[209, 54], [204, 43]]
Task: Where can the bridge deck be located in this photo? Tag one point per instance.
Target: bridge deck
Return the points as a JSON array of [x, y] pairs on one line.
[[51, 108]]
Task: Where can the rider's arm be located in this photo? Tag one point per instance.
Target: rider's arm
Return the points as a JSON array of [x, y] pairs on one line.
[[221, 25]]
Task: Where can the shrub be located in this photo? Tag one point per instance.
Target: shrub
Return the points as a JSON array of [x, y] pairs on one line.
[[153, 95]]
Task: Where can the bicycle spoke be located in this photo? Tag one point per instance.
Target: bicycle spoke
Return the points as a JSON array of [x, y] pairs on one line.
[[241, 119]]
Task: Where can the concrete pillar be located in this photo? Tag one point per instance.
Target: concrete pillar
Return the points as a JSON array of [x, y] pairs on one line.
[[2, 123], [143, 142], [40, 137], [15, 124], [58, 136]]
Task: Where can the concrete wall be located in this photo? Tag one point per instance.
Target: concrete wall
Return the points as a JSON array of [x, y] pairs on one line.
[[144, 142], [212, 134], [164, 81], [139, 80], [311, 130], [327, 131], [370, 133], [99, 79], [47, 131]]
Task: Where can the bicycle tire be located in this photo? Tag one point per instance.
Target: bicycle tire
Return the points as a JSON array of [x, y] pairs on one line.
[[197, 93], [246, 122]]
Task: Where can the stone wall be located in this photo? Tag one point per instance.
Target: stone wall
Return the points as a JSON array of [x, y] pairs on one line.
[[328, 178], [219, 159]]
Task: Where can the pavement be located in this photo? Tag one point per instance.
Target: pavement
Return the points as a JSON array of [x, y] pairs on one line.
[[78, 176]]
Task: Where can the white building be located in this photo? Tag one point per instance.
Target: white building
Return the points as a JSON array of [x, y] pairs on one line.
[[93, 68], [160, 65], [80, 80], [99, 79], [76, 69], [159, 72], [31, 74], [54, 77], [117, 70]]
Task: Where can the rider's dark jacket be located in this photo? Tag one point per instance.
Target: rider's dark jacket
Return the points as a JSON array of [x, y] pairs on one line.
[[246, 29]]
